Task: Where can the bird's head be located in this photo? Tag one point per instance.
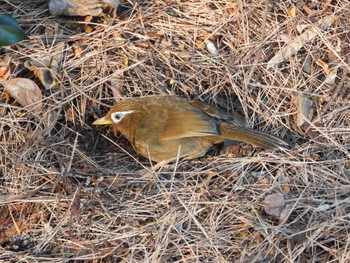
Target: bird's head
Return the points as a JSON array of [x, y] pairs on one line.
[[120, 117]]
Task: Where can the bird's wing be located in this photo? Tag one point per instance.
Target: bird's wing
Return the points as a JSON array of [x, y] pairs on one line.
[[184, 122]]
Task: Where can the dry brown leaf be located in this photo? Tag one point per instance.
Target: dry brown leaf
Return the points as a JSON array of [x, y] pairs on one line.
[[183, 55], [311, 132], [334, 57], [126, 62], [258, 238], [155, 34], [347, 165], [181, 46], [334, 61], [141, 45], [293, 11], [305, 115], [46, 68], [26, 92], [324, 66], [70, 114], [4, 73], [81, 7], [264, 181], [44, 71], [274, 204], [200, 44], [89, 29], [230, 10], [166, 42], [116, 87], [5, 69], [286, 189], [14, 225], [211, 37], [295, 44], [119, 38], [285, 213], [315, 156], [304, 109], [75, 207], [272, 251], [77, 51], [308, 10], [88, 18], [5, 60]]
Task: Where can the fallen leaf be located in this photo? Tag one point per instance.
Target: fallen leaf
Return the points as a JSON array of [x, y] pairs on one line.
[[285, 213], [81, 7], [5, 69], [274, 204], [296, 43], [323, 65], [304, 109], [119, 38], [312, 133], [139, 45], [347, 165], [70, 114], [308, 65], [116, 86], [26, 92], [264, 181], [12, 224], [89, 29], [211, 37], [230, 10], [200, 44], [315, 156], [46, 68], [126, 62], [48, 228], [258, 238], [88, 18], [4, 73], [166, 42], [334, 61], [307, 10], [293, 12], [77, 51], [44, 71], [211, 48], [181, 46], [332, 76], [286, 189]]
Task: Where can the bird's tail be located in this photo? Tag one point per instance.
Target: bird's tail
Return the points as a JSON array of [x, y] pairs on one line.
[[257, 138]]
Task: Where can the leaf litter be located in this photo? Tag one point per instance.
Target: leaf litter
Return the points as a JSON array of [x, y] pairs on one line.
[[98, 200]]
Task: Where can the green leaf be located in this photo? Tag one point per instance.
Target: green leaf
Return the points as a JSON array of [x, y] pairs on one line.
[[10, 31]]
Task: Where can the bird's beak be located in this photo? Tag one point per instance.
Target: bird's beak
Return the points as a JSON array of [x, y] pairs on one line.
[[102, 121]]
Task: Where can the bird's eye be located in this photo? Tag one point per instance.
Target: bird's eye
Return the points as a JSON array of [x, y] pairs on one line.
[[118, 116]]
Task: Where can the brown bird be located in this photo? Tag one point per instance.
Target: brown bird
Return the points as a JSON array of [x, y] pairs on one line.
[[164, 128]]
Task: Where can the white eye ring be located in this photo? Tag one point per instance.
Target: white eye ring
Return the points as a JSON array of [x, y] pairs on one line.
[[119, 115]]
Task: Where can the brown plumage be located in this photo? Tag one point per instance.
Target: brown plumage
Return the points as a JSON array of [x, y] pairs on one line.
[[163, 128]]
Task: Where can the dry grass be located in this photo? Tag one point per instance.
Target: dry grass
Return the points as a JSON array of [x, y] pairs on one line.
[[70, 193]]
